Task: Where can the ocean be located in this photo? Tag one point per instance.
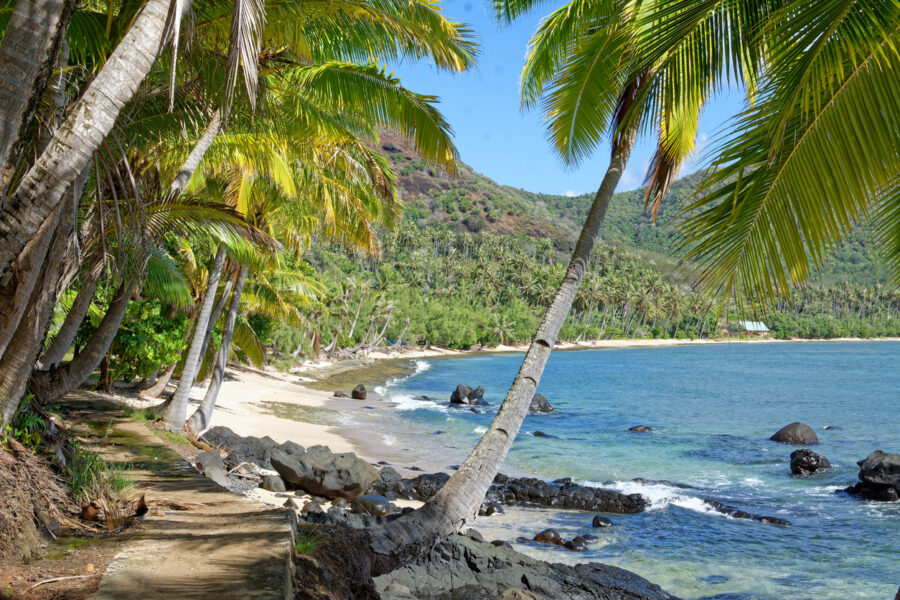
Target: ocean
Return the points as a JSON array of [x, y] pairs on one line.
[[712, 410]]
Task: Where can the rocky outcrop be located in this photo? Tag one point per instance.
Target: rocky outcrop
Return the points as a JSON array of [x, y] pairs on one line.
[[372, 504], [807, 462], [796, 433], [463, 394], [879, 477], [321, 472], [563, 493], [359, 392], [243, 449], [465, 567], [540, 404]]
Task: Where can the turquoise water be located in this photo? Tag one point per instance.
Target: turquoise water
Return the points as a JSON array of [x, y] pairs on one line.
[[712, 409]]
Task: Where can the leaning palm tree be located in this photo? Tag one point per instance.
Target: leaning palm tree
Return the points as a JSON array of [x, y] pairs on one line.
[[599, 67]]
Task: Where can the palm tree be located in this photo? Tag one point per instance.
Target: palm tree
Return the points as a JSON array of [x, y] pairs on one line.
[[600, 69]]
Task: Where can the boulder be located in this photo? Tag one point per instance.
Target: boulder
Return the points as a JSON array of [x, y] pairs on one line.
[[392, 485], [805, 462], [573, 545], [428, 485], [540, 434], [539, 404], [879, 477], [641, 428], [272, 483], [463, 394], [796, 433], [601, 522], [210, 464], [359, 392], [243, 449], [321, 472], [550, 536], [488, 510], [372, 504]]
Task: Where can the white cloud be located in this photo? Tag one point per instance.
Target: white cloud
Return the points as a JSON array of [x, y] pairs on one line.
[[571, 194]]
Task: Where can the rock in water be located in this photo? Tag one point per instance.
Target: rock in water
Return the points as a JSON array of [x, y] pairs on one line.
[[540, 404], [323, 473], [796, 433], [463, 394], [804, 462], [601, 522], [641, 428], [550, 536], [359, 392], [879, 476]]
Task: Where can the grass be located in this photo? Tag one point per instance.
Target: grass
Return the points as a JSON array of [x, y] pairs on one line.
[[89, 476], [308, 542], [141, 415], [176, 438]]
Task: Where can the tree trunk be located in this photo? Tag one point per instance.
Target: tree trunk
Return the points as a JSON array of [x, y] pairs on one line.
[[49, 386], [177, 411], [196, 156], [28, 53], [217, 310], [202, 417], [66, 334], [73, 144], [405, 539], [16, 365], [157, 388]]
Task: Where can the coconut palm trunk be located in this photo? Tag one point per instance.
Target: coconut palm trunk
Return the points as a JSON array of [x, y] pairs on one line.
[[177, 411], [72, 146], [53, 355], [202, 417], [161, 382], [49, 386], [196, 156], [28, 53], [413, 535], [217, 310], [16, 365]]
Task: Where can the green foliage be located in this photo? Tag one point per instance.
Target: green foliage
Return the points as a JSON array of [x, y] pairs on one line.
[[150, 337], [141, 415], [89, 476], [307, 543], [27, 425], [176, 438]]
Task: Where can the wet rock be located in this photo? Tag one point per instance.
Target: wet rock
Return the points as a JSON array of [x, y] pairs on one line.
[[490, 509], [463, 394], [460, 567], [601, 522], [742, 514], [796, 433], [564, 493], [414, 468], [588, 536], [578, 539], [805, 462], [573, 545], [273, 483], [540, 434], [371, 504], [540, 404], [548, 536], [359, 392], [641, 428], [321, 472], [879, 477]]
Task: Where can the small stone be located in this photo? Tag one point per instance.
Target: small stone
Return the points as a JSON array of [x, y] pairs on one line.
[[341, 395], [272, 483], [289, 503], [550, 536], [601, 522], [359, 392], [573, 545], [539, 434]]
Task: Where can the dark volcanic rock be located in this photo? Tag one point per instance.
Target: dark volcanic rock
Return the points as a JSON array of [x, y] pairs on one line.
[[540, 404], [879, 477], [565, 494], [548, 536], [488, 510], [463, 394], [323, 473], [371, 504], [461, 568], [359, 392], [273, 483], [641, 428], [796, 433], [573, 545], [428, 485], [243, 449], [391, 483], [742, 514], [341, 395], [540, 434], [601, 522], [805, 462]]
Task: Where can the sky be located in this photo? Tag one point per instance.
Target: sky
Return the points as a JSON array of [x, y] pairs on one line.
[[499, 140]]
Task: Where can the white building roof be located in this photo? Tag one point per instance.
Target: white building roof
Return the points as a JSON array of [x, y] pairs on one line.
[[754, 326]]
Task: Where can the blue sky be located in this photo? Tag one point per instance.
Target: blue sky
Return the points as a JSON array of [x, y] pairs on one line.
[[497, 139]]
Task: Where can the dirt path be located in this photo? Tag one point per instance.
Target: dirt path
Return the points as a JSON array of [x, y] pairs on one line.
[[230, 548]]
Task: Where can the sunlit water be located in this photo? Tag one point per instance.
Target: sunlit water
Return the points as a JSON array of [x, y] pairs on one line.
[[712, 410]]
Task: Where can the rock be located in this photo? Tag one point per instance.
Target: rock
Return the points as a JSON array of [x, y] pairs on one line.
[[564, 493], [463, 394], [462, 568], [323, 473], [518, 594], [879, 475], [359, 392], [641, 428], [573, 545], [273, 483], [490, 509], [246, 449], [290, 503], [372, 504], [540, 404], [391, 483], [580, 540], [540, 434], [428, 485], [804, 462], [550, 536], [796, 433], [501, 543], [601, 522], [211, 465], [341, 395], [474, 534], [340, 503], [312, 507]]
